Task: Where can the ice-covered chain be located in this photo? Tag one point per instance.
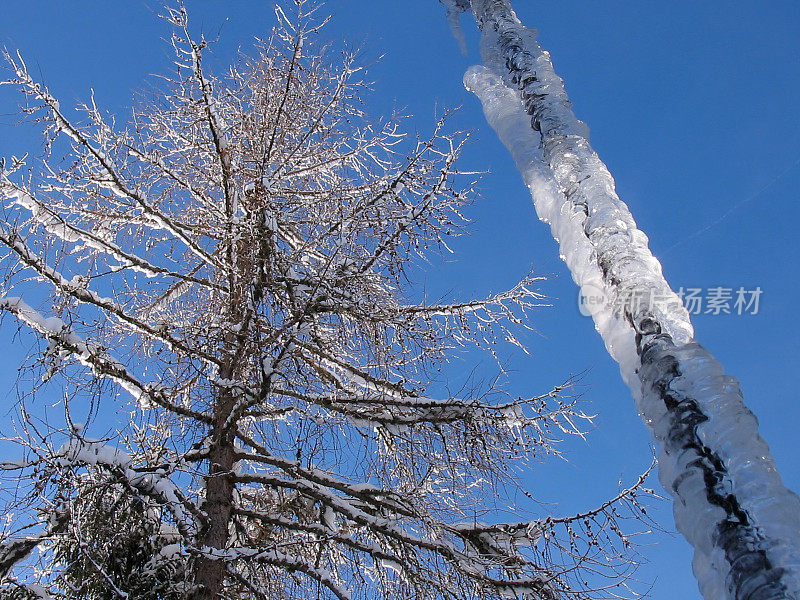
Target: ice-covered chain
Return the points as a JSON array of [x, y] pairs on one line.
[[729, 500]]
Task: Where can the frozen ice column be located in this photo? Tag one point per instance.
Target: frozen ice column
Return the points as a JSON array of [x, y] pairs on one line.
[[729, 500]]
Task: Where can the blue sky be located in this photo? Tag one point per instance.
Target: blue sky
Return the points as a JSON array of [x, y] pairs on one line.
[[693, 107]]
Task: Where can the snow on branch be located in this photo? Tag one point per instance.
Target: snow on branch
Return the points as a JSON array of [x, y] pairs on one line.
[[237, 256]]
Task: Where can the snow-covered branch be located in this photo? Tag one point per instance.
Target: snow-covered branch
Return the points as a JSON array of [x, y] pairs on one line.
[[236, 257]]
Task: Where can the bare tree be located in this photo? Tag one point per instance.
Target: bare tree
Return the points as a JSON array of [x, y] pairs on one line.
[[231, 269]]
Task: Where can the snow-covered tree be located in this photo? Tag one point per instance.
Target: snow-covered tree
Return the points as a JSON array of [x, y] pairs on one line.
[[229, 273]]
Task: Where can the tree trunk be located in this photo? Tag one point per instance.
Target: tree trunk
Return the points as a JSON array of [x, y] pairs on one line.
[[209, 573]]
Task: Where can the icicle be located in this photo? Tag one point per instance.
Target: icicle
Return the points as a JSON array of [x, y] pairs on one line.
[[453, 16], [730, 502]]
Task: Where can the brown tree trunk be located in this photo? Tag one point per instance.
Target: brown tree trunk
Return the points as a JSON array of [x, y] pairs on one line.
[[209, 573]]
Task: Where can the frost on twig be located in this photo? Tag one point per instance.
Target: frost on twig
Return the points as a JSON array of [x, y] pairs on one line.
[[231, 269]]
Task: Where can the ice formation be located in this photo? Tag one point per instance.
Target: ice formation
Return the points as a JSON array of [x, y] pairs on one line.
[[454, 9], [729, 500]]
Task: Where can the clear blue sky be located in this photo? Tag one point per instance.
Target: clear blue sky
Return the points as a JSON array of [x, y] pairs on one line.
[[693, 105]]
